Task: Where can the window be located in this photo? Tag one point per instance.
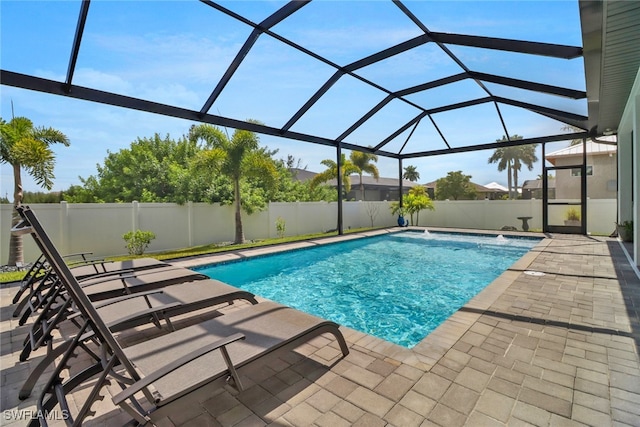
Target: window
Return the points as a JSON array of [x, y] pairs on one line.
[[576, 171]]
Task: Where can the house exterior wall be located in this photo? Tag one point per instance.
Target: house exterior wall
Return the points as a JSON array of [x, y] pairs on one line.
[[602, 184], [629, 165], [375, 194]]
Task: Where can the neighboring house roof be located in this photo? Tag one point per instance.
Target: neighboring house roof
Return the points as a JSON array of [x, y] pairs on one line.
[[305, 175], [371, 182], [593, 149], [495, 186], [534, 184], [479, 188], [302, 174], [483, 189]]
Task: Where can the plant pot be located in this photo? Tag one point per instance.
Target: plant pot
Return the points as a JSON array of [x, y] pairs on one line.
[[625, 234]]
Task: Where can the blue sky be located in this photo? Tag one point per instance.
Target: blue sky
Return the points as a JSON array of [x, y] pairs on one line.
[[175, 52]]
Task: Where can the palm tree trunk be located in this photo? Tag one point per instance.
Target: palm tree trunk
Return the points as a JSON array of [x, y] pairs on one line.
[[515, 182], [236, 195], [16, 254], [509, 184]]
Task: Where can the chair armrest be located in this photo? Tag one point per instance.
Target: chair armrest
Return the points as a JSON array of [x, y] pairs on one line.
[[80, 254], [106, 277], [116, 300], [89, 262], [23, 227], [153, 310], [170, 367]]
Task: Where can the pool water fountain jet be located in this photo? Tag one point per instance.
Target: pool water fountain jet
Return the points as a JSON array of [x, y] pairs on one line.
[[501, 239]]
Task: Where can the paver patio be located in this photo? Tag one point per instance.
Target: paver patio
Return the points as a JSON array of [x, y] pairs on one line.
[[554, 341]]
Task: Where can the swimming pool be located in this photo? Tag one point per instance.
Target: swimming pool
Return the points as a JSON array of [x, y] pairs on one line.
[[398, 286]]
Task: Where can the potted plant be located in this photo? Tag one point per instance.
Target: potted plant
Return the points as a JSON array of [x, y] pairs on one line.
[[625, 231], [572, 217]]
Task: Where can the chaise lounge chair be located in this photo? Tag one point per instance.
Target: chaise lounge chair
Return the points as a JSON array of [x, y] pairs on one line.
[[83, 268], [122, 313], [169, 367], [88, 267], [105, 285]]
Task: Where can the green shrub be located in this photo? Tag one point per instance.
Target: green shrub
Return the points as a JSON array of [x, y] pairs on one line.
[[625, 231], [572, 214], [137, 241], [280, 227]]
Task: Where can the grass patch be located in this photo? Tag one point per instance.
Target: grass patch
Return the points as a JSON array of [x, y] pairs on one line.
[[13, 276], [203, 250]]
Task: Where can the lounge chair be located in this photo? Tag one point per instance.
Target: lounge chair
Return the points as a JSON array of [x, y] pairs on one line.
[[83, 268], [106, 285], [102, 288], [126, 312], [88, 267], [169, 367]]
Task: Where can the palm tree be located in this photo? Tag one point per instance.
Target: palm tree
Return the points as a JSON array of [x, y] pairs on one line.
[[512, 159], [504, 157], [362, 162], [411, 174], [412, 203], [236, 158], [25, 147], [575, 129], [524, 154], [332, 173]]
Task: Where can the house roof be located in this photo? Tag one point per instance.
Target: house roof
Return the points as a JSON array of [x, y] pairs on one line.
[[495, 186], [302, 174], [372, 182], [593, 149], [535, 184], [479, 188]]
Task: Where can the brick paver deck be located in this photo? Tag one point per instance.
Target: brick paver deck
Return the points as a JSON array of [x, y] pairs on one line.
[[554, 341]]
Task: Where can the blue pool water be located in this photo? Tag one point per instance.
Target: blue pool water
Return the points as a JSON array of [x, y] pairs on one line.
[[398, 287]]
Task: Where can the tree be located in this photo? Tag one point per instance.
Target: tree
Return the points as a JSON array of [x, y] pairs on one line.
[[160, 169], [455, 186], [504, 157], [238, 158], [411, 174], [362, 163], [512, 159], [574, 129], [525, 155], [415, 201], [290, 189], [24, 146], [332, 173], [152, 169]]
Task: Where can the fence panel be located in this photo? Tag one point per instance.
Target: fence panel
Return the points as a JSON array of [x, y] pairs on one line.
[[99, 227]]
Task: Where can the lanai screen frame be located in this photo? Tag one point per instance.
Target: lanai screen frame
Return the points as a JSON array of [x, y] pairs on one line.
[[442, 40]]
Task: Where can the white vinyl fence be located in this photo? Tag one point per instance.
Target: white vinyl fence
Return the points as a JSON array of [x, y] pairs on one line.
[[98, 228]]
